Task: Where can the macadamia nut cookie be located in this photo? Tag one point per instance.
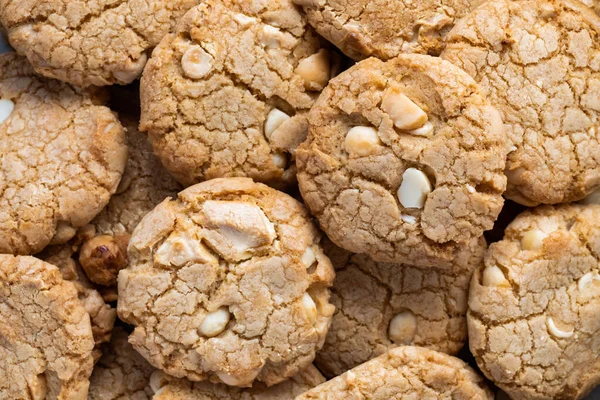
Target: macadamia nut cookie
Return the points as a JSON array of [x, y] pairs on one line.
[[62, 158], [534, 307], [380, 306], [385, 28], [540, 63], [94, 42], [228, 93], [404, 160], [227, 283], [46, 337], [405, 373]]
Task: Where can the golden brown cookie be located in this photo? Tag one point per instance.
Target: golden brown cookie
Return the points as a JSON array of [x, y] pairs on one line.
[[93, 42], [540, 63], [62, 158], [534, 306], [46, 337], [404, 160], [228, 283], [227, 94]]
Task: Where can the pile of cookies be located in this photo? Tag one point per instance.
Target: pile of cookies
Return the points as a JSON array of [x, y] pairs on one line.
[[299, 199]]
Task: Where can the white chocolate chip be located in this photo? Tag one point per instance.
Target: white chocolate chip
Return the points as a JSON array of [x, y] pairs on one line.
[[275, 119], [180, 250], [133, 70], [471, 189], [414, 189], [271, 37], [403, 328], [6, 108], [405, 113], [158, 380], [215, 322], [512, 149], [361, 141], [308, 258], [238, 380], [280, 160], [244, 20], [315, 70], [555, 331], [310, 308], [425, 130], [533, 240], [409, 219], [38, 387], [493, 276], [586, 279], [196, 63]]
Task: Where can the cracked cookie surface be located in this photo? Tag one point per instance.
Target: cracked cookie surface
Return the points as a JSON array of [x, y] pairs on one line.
[[228, 283], [380, 306], [46, 338], [404, 160], [534, 307], [96, 42], [62, 158], [227, 94], [540, 63], [405, 373], [385, 28]]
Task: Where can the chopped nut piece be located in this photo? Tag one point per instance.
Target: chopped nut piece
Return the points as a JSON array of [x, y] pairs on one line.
[[102, 258], [403, 328], [180, 250], [309, 307], [275, 119], [215, 322], [315, 70], [414, 189], [361, 140], [404, 112], [196, 62], [309, 258]]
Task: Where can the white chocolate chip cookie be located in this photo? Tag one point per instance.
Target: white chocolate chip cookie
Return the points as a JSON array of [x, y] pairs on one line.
[[221, 285], [62, 158], [46, 338], [405, 373], [540, 62], [534, 306], [92, 42], [227, 94], [380, 306], [404, 160]]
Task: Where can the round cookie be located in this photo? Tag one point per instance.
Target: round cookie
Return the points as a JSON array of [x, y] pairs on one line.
[[227, 94], [380, 306], [46, 338], [540, 63], [95, 42], [404, 160], [534, 306], [62, 158], [287, 390], [227, 283], [405, 373], [385, 28]]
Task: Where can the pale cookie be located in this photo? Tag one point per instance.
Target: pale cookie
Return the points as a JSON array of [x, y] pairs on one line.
[[534, 306], [46, 338], [404, 160], [594, 4], [380, 306], [405, 373], [122, 373], [62, 158], [94, 42], [228, 93], [385, 28], [540, 63], [185, 390], [227, 283]]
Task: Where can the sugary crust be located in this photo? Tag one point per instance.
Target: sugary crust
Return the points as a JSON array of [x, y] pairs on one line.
[[355, 198], [93, 42], [62, 158], [405, 372], [46, 338], [269, 335], [537, 337], [540, 62]]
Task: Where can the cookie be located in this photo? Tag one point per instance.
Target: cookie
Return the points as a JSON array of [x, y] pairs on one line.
[[384, 28], [594, 4], [227, 283], [380, 306], [287, 390], [404, 160], [87, 43], [534, 306], [227, 94], [540, 63], [405, 373], [62, 158], [46, 338], [122, 373]]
